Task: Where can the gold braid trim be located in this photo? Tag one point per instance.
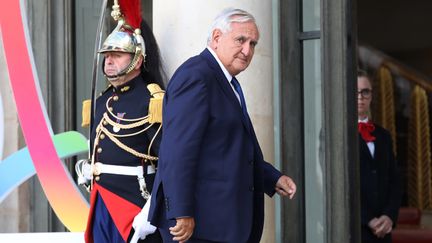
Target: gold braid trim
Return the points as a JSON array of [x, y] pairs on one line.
[[100, 128], [132, 134], [154, 137], [125, 147], [119, 118], [154, 116], [125, 126]]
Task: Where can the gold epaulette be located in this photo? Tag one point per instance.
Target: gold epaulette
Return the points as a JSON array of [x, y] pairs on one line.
[[156, 103], [86, 111]]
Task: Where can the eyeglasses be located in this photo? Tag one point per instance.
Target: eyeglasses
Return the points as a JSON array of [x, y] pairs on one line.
[[365, 93]]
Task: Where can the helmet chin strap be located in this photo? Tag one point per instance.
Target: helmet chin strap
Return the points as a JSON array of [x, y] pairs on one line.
[[115, 77]]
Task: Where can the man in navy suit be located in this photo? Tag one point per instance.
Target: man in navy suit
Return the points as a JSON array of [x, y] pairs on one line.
[[212, 176], [380, 182]]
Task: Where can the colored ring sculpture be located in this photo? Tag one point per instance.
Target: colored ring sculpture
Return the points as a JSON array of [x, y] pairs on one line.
[[61, 191]]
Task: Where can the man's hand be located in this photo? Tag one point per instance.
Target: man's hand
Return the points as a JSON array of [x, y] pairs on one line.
[[381, 226], [285, 186], [183, 229]]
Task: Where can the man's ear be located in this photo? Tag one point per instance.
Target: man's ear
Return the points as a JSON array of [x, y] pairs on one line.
[[216, 35]]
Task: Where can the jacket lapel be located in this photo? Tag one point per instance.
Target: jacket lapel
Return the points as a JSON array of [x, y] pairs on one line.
[[364, 149], [225, 86]]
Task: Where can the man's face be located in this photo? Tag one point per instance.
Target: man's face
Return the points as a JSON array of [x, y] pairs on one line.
[[363, 99], [235, 48], [115, 62]]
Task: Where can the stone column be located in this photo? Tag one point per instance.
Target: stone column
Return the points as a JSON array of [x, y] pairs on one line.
[[342, 165], [181, 28]]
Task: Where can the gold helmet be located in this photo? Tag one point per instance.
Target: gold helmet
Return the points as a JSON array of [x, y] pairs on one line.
[[126, 37]]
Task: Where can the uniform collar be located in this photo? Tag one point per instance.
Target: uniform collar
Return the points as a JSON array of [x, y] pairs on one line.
[[126, 87]]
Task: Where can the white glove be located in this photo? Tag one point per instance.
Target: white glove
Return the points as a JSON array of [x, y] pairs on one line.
[[141, 224], [84, 172]]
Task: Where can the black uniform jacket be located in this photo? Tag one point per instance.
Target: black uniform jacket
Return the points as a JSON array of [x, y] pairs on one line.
[[121, 193], [380, 183], [132, 102]]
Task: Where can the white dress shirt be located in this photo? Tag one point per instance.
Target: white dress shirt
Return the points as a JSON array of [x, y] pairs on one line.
[[228, 76], [371, 145]]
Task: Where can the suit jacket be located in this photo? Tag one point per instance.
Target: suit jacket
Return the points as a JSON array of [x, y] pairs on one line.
[[210, 164], [380, 183]]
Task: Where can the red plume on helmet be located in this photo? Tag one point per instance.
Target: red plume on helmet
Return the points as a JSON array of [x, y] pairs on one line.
[[131, 10]]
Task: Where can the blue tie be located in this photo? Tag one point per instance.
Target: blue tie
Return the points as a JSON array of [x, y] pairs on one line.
[[237, 88]]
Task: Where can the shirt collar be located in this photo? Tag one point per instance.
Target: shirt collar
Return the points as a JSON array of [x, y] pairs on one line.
[[224, 70], [364, 120]]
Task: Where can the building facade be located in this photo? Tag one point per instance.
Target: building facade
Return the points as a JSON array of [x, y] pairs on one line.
[[299, 89]]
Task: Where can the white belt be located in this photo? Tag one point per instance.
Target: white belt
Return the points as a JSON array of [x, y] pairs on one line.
[[137, 171], [100, 168]]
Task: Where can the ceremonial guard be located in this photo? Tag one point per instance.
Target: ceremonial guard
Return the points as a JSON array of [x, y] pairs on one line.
[[125, 132]]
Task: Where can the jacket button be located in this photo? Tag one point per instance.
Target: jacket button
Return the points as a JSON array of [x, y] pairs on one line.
[[115, 98], [99, 150], [251, 162], [102, 136], [97, 178], [166, 204]]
